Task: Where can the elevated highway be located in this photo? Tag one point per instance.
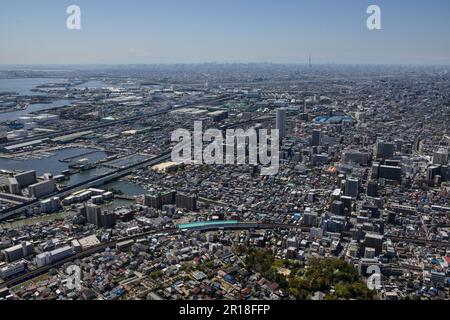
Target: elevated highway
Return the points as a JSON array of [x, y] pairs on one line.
[[172, 231], [116, 122], [90, 183]]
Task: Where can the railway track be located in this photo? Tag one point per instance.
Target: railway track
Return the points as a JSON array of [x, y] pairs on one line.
[[241, 226]]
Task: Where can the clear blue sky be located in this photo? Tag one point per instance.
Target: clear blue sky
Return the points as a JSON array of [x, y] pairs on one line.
[[191, 31]]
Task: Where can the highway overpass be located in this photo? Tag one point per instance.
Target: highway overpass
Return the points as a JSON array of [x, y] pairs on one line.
[[233, 225]]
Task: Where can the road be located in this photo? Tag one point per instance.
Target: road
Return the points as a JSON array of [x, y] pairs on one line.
[[102, 179], [93, 182], [108, 177], [116, 122], [40, 271], [241, 226]]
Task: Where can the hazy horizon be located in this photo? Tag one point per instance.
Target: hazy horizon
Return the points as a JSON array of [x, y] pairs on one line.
[[297, 64], [414, 32]]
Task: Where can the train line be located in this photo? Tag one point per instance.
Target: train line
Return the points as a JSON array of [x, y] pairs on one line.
[[172, 231]]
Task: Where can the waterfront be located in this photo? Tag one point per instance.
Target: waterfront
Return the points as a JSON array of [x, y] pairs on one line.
[[128, 188], [14, 115], [86, 175], [52, 164], [23, 86], [92, 84]]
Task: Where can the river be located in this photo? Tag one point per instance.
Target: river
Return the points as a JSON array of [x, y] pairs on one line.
[[14, 115], [52, 164], [23, 86]]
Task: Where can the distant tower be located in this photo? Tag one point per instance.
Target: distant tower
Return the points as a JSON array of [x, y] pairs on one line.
[[281, 122], [310, 61]]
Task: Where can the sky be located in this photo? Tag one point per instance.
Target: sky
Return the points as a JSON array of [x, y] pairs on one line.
[[226, 31]]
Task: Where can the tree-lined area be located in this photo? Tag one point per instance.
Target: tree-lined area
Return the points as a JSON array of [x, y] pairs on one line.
[[335, 278]]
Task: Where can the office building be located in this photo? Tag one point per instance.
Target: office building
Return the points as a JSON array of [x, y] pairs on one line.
[[319, 159], [20, 251], [93, 213], [371, 209], [385, 150], [14, 186], [375, 241], [356, 157], [390, 173], [107, 220], [158, 200], [50, 205], [26, 178], [440, 157], [432, 172], [316, 139], [352, 188], [82, 210], [153, 201], [310, 218], [337, 208], [369, 253], [336, 224], [372, 189], [12, 269], [168, 198], [188, 202], [281, 122], [48, 258], [348, 203], [42, 189], [375, 170]]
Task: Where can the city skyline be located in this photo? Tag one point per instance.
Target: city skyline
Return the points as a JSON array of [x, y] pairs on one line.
[[167, 32], [230, 158]]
